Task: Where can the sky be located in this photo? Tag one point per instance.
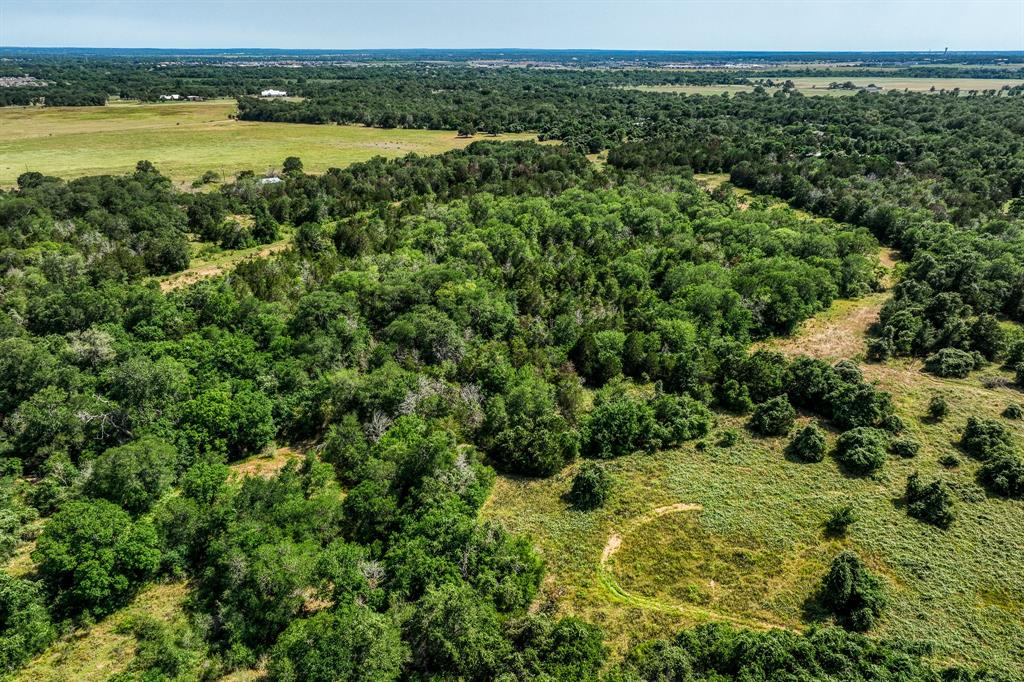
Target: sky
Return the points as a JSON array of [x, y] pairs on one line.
[[834, 25]]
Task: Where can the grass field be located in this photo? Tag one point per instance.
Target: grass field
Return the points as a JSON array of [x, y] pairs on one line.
[[186, 139], [819, 85], [744, 541]]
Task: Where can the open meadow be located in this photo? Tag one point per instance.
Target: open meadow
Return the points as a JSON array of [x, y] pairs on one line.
[[713, 532], [186, 139], [812, 85]]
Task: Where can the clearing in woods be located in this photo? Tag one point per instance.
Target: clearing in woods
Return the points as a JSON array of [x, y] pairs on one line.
[[818, 85], [752, 549], [186, 139]]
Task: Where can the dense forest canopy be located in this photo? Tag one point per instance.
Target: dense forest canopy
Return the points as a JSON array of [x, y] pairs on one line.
[[511, 307]]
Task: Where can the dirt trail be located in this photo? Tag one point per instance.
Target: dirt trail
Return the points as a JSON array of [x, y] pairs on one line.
[[212, 269]]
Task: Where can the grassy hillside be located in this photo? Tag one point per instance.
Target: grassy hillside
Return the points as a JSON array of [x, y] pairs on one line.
[[186, 139], [708, 532]]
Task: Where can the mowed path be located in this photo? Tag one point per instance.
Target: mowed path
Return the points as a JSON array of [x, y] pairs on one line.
[[694, 611]]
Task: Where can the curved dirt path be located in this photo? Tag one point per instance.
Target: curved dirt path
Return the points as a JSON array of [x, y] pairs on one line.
[[697, 612]]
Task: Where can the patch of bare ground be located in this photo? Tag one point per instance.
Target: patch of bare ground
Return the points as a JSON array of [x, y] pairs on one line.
[[264, 465], [220, 266]]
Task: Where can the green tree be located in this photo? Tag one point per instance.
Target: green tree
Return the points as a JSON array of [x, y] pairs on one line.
[[350, 643], [92, 557], [135, 475], [854, 595]]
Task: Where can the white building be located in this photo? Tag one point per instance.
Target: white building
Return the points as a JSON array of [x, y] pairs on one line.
[[273, 93], [170, 97]]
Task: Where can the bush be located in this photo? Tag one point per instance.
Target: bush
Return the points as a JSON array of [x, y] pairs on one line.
[[893, 423], [983, 436], [92, 557], [862, 450], [135, 475], [773, 417], [854, 596], [840, 520], [1003, 474], [808, 445], [618, 425], [1014, 411], [905, 447], [949, 461], [680, 418], [931, 502], [590, 486], [938, 408], [950, 363], [728, 438], [25, 626]]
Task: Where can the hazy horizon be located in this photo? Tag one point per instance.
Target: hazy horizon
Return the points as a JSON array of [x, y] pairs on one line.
[[640, 25]]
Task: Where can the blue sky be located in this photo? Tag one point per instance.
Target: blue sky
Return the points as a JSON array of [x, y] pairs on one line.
[[606, 24]]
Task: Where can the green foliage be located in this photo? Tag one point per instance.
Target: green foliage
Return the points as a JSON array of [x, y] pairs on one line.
[[773, 417], [92, 557], [590, 486], [938, 408], [905, 446], [840, 519], [862, 450], [951, 362], [237, 422], [618, 425], [351, 643], [1014, 411], [852, 593], [25, 626], [808, 445], [929, 502], [163, 651], [983, 437], [135, 475], [717, 651]]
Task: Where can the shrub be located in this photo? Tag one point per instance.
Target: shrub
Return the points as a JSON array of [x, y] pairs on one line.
[[862, 450], [680, 418], [984, 436], [1014, 411], [728, 438], [852, 593], [840, 520], [929, 502], [859, 404], [893, 423], [950, 363], [938, 408], [808, 445], [773, 417], [590, 486], [1003, 473], [618, 425], [25, 625], [949, 461], [905, 447]]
